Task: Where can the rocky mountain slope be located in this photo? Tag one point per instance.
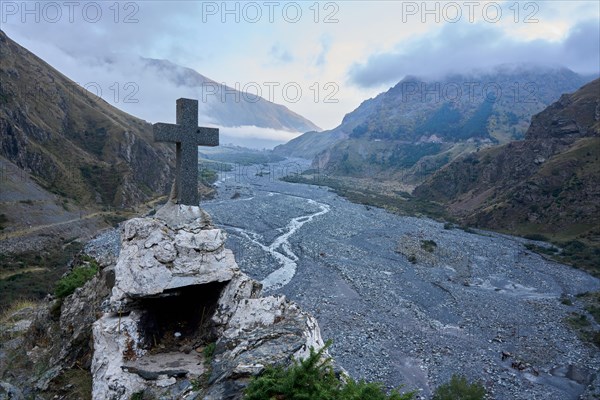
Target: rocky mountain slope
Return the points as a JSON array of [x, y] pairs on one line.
[[227, 106], [74, 143], [548, 183], [418, 126], [309, 144]]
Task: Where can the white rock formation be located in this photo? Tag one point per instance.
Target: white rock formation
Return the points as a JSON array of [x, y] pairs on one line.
[[177, 248]]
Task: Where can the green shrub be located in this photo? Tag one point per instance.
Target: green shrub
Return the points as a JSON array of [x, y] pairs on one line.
[[594, 311], [114, 219], [578, 321], [137, 396], [74, 279], [428, 245], [448, 225], [3, 221], [314, 378], [536, 236], [459, 388], [566, 301], [207, 176], [209, 351]]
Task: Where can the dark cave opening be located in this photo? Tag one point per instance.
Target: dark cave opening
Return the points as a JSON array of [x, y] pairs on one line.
[[179, 317]]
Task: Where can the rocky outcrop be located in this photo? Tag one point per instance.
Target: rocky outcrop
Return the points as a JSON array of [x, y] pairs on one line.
[[178, 291], [574, 115]]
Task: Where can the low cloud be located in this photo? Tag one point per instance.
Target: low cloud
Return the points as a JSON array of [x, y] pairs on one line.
[[325, 47], [460, 47], [280, 54], [254, 136], [149, 91]]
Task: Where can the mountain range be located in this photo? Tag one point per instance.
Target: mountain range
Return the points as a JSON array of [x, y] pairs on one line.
[[419, 125], [227, 106]]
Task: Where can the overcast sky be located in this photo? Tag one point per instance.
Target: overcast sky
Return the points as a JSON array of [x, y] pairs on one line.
[[337, 53]]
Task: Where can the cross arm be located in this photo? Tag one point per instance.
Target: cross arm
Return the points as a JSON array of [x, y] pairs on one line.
[[207, 137], [168, 132]]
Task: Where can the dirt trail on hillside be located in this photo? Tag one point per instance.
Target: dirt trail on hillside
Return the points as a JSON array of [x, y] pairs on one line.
[[34, 229]]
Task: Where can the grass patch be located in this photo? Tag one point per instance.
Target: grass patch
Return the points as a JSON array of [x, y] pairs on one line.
[[542, 249], [594, 311], [536, 236], [576, 253], [566, 301], [591, 304], [578, 321], [459, 388], [209, 352], [207, 176], [202, 382], [428, 245], [32, 275], [115, 219], [14, 307], [314, 378], [467, 229], [75, 279], [137, 396], [196, 384], [582, 326], [75, 383], [580, 255], [8, 274], [449, 226], [398, 203]]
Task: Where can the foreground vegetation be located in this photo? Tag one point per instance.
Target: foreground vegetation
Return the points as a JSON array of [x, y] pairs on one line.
[[459, 388], [314, 378], [77, 277]]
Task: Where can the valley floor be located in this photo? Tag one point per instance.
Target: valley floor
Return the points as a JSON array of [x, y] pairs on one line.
[[407, 301]]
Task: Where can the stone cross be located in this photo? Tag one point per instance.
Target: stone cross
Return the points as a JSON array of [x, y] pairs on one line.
[[188, 136]]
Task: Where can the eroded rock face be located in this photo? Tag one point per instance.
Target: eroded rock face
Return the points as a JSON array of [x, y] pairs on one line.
[[116, 340], [158, 254], [261, 331], [179, 249]]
